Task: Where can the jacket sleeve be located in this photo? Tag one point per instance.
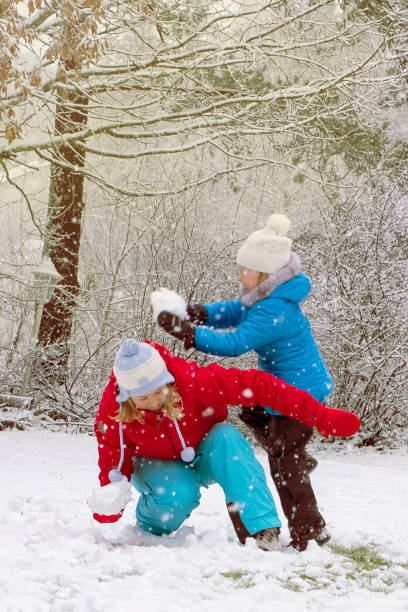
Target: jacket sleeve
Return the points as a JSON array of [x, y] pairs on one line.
[[214, 387], [249, 388], [224, 314], [253, 387], [259, 328], [107, 434]]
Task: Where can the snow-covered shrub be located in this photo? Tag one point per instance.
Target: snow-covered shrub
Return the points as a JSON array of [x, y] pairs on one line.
[[357, 261]]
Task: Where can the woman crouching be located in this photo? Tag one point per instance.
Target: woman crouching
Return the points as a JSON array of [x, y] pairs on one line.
[[161, 425]]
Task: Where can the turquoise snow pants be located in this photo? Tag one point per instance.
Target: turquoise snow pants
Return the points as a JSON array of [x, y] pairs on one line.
[[170, 490]]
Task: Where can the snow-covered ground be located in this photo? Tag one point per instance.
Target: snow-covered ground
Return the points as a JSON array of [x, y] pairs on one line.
[[55, 558]]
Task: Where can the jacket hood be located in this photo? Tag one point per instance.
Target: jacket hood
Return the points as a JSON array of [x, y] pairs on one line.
[[295, 290]]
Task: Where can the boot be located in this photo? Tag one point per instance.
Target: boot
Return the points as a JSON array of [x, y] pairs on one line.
[[300, 541], [322, 536], [268, 539], [299, 544]]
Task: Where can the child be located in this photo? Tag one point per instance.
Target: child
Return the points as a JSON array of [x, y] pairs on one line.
[[268, 319], [161, 424]]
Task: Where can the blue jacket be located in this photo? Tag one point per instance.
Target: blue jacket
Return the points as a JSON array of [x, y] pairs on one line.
[[276, 328]]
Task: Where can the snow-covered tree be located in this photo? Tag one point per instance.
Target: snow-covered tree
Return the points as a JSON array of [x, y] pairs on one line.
[[96, 87]]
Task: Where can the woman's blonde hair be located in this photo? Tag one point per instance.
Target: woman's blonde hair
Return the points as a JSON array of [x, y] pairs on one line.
[[172, 408]]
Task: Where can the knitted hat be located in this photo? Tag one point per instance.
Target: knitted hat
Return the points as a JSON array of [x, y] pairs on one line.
[[139, 369], [267, 249]]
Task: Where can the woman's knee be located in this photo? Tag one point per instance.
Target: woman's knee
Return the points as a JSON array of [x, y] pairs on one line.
[[223, 451], [167, 505], [167, 492]]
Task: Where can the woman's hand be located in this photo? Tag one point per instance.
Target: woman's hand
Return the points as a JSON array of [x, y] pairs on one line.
[[333, 422], [107, 503], [111, 518]]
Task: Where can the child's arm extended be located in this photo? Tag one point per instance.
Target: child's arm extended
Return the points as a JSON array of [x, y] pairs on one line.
[[258, 329], [223, 314]]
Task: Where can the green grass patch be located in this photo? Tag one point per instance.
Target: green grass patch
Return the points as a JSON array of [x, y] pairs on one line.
[[291, 586], [364, 557], [241, 577], [360, 566], [236, 575]]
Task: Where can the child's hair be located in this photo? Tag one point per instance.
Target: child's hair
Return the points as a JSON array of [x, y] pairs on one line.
[[262, 277], [172, 408]]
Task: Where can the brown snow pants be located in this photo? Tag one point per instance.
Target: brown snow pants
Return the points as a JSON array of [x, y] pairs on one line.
[[284, 439]]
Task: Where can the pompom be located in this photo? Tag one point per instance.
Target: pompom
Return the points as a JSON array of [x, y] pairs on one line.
[[129, 347], [278, 223]]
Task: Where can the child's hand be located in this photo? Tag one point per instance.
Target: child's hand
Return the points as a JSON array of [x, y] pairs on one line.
[[182, 330], [198, 313]]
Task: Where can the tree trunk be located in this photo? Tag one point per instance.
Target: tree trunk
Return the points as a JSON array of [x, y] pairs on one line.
[[62, 241]]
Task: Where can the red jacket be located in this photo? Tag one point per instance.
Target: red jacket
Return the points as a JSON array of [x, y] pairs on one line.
[[205, 393]]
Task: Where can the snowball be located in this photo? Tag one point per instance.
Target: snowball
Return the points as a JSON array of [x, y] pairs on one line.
[[166, 299], [110, 499]]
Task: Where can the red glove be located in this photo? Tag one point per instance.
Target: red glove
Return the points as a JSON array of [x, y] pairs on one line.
[[112, 518], [332, 422]]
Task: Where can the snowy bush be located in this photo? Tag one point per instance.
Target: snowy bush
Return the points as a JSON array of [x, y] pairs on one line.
[[357, 260]]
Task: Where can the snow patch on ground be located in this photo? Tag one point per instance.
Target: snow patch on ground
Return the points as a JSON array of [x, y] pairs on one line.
[[55, 558]]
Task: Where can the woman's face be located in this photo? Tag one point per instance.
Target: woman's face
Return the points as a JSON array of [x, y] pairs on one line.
[[154, 401], [249, 278]]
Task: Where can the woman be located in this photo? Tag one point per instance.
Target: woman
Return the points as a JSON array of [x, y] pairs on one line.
[[161, 425]]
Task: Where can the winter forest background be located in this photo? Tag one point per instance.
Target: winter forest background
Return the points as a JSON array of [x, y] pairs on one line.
[[141, 141]]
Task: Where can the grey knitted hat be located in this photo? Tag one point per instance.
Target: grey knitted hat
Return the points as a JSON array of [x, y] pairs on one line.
[[139, 369]]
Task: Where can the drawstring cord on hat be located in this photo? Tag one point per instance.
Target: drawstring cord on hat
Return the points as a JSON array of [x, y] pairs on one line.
[[187, 454]]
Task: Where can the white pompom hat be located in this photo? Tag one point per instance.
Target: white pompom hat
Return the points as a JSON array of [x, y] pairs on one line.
[[268, 249]]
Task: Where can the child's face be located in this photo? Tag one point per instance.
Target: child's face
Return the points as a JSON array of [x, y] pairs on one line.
[[249, 278], [153, 401]]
